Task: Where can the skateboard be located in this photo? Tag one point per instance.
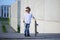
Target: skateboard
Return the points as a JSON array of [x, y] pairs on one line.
[[36, 28]]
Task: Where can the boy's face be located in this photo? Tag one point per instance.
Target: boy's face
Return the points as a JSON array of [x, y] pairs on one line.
[[26, 10]]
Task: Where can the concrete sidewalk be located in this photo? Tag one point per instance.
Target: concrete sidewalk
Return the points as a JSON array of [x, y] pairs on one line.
[[17, 36]]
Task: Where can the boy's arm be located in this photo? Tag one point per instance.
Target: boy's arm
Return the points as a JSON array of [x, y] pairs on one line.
[[33, 17]]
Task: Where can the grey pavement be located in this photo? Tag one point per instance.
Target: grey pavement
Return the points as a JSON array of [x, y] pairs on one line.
[[18, 36], [12, 35]]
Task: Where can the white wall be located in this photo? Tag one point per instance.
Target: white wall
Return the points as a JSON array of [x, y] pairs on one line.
[[52, 10], [14, 15], [47, 13]]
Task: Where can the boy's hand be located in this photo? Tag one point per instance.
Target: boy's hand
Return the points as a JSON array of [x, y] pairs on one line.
[[23, 21], [33, 17]]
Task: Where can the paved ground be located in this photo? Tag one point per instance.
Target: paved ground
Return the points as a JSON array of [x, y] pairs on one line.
[[32, 39], [11, 35], [17, 36]]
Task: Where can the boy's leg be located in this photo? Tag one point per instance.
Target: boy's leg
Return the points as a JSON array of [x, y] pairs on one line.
[[28, 33], [25, 32]]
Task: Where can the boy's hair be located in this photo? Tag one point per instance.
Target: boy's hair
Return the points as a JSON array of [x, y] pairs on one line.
[[28, 8]]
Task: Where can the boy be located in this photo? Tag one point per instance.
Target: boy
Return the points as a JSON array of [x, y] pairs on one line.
[[27, 20]]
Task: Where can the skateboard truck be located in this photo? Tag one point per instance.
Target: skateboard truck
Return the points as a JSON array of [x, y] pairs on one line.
[[36, 28]]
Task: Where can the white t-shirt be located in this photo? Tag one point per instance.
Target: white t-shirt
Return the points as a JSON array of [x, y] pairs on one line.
[[27, 18]]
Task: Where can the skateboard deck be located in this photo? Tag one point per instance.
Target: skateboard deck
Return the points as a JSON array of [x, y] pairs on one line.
[[36, 28]]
